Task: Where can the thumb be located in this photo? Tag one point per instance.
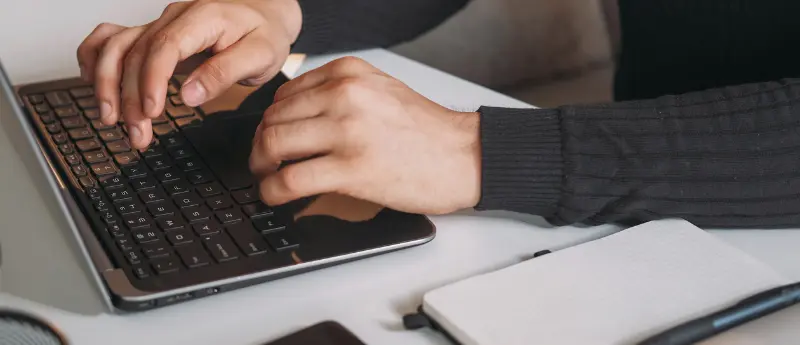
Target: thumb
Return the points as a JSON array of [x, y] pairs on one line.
[[250, 59]]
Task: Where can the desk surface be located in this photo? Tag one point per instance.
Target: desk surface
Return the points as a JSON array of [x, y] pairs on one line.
[[43, 274]]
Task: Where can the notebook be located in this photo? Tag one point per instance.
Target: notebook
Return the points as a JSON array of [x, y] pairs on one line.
[[618, 289]]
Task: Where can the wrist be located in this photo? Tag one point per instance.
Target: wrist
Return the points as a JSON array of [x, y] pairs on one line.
[[469, 150]]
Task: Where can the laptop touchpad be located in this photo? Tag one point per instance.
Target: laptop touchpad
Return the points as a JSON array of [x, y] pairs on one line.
[[224, 141]]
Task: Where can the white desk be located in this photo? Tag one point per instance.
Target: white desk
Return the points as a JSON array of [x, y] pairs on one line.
[[42, 274]]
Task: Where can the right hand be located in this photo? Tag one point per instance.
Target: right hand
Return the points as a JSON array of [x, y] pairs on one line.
[[130, 67]]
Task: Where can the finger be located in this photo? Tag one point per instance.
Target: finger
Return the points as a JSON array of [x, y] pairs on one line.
[[291, 141], [108, 72], [312, 177], [297, 107], [201, 27], [252, 59], [90, 48], [339, 68], [132, 107]]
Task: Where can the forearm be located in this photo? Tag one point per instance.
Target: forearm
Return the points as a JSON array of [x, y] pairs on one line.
[[719, 158], [338, 25]]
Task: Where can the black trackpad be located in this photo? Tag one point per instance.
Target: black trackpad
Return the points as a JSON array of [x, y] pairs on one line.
[[225, 141]]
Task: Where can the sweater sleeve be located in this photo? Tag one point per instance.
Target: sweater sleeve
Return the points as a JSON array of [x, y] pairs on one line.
[[338, 25], [720, 158]]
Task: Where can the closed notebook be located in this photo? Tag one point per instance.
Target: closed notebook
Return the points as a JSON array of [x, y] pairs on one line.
[[615, 290]]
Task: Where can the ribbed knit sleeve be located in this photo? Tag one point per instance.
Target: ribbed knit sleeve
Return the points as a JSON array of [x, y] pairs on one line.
[[340, 25], [725, 157]]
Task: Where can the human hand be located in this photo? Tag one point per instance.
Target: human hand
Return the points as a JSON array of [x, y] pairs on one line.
[[359, 132], [131, 66]]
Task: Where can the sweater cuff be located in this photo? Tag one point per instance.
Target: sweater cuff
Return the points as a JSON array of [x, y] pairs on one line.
[[317, 31], [521, 160]]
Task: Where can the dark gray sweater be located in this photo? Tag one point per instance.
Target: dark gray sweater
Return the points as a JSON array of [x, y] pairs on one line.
[[705, 127]]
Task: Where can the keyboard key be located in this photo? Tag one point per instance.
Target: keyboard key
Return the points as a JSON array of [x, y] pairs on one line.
[[80, 133], [109, 218], [80, 170], [63, 112], [58, 98], [207, 228], [145, 235], [128, 207], [54, 128], [81, 92], [140, 271], [118, 146], [47, 118], [102, 204], [219, 202], [99, 125], [257, 210], [196, 213], [116, 231], [133, 257], [209, 190], [88, 144], [221, 248], [184, 200], [163, 129], [60, 138], [189, 164], [73, 122], [159, 162], [159, 120], [153, 151], [247, 239], [176, 187], [126, 158], [36, 99], [73, 159], [180, 152], [160, 208], [105, 168], [124, 243], [267, 224], [172, 140], [200, 176], [192, 121], [179, 111], [95, 157], [113, 182], [66, 149], [176, 100], [245, 196], [282, 240], [193, 255], [94, 193], [42, 109], [141, 184], [155, 250], [166, 175], [153, 195], [110, 135], [139, 220], [172, 90], [179, 237], [165, 265], [229, 216], [170, 222], [136, 170], [120, 194], [92, 114], [87, 103]]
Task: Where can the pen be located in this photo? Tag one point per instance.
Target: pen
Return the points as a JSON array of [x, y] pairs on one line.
[[751, 308]]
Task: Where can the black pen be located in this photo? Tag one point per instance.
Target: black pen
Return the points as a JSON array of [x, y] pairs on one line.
[[746, 310]]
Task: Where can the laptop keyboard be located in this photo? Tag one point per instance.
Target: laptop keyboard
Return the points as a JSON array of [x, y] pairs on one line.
[[163, 207]]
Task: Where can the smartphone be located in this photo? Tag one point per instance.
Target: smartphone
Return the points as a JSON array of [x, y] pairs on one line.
[[323, 333]]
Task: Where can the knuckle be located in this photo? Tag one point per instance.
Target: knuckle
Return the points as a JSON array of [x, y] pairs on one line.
[[348, 63], [162, 39], [103, 27], [215, 72], [171, 7], [350, 89], [292, 178], [270, 139]]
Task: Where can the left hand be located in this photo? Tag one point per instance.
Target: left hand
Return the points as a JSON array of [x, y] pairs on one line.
[[362, 133]]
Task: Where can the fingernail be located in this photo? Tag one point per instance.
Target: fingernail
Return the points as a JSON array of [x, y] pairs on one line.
[[105, 110], [135, 133], [193, 93], [149, 106]]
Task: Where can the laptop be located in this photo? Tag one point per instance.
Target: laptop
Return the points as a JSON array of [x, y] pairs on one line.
[[183, 220]]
